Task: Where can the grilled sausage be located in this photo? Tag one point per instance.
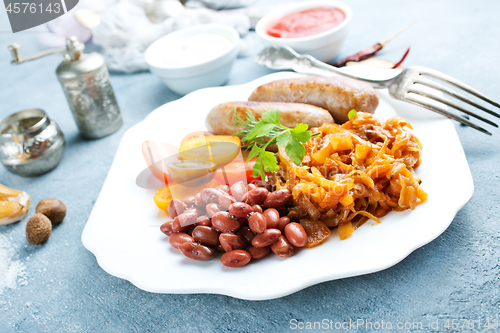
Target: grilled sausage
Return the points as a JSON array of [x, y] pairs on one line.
[[337, 94], [220, 119]]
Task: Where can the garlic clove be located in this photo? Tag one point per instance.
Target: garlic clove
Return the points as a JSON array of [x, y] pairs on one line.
[[14, 205]]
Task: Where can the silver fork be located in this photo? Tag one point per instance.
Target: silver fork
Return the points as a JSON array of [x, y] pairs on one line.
[[406, 86]]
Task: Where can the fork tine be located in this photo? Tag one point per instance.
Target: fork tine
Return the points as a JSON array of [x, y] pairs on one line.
[[428, 94], [458, 84], [420, 101], [429, 83]]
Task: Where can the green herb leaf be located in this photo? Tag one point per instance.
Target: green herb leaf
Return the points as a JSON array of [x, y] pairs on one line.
[[256, 150], [266, 161], [270, 162], [251, 118], [237, 119], [262, 128], [259, 134], [301, 133], [272, 116], [295, 150], [283, 139], [258, 168], [352, 114]]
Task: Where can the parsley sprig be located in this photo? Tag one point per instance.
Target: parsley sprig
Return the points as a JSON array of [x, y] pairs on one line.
[[257, 135]]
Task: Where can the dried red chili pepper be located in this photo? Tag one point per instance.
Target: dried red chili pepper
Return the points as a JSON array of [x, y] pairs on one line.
[[361, 55], [396, 65], [370, 51]]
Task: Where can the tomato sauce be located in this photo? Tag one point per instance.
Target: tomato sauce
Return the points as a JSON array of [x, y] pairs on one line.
[[307, 22]]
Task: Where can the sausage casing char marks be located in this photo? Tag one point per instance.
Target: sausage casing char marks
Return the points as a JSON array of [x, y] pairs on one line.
[[338, 95], [220, 119]]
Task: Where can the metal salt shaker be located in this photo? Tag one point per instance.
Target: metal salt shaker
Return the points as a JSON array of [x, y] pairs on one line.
[[30, 143], [85, 80]]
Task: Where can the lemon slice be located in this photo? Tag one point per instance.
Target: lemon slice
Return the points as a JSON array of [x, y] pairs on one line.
[[220, 153], [192, 172]]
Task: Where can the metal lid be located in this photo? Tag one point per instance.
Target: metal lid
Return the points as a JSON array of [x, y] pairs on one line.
[[87, 62], [23, 125]]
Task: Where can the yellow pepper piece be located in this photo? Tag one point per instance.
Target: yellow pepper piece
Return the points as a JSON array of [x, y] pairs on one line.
[[347, 200], [345, 230]]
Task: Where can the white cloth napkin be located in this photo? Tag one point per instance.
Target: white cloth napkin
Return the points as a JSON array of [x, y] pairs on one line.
[[125, 31]]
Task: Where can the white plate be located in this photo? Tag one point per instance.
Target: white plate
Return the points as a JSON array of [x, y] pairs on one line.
[[123, 228]]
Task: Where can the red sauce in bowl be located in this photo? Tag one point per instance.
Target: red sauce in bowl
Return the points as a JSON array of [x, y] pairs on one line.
[[306, 22]]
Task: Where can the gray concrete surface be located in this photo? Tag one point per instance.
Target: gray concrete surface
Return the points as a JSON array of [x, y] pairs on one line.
[[454, 277]]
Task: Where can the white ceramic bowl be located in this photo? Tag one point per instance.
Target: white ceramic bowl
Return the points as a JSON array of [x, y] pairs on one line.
[[209, 73], [323, 46]]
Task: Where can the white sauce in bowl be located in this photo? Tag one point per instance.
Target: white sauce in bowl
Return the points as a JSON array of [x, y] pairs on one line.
[[195, 49]]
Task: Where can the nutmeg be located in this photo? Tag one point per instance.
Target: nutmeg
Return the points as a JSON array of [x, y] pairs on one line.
[[38, 229], [54, 209]]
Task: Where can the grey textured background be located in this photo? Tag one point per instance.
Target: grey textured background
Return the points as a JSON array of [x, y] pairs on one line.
[[454, 277]]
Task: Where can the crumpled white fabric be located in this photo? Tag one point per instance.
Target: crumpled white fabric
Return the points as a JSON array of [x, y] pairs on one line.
[[219, 4], [57, 30], [126, 32]]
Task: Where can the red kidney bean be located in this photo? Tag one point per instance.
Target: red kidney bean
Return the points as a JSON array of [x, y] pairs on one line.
[[238, 189], [212, 208], [201, 211], [278, 198], [242, 221], [283, 221], [214, 199], [272, 217], [240, 209], [296, 234], [245, 198], [257, 223], [179, 238], [231, 242], [266, 238], [187, 218], [223, 188], [219, 248], [175, 208], [257, 208], [176, 226], [236, 258], [166, 228], [203, 221], [258, 252], [196, 251], [206, 235], [282, 247], [251, 187], [198, 202], [225, 222], [246, 234], [189, 201], [189, 231], [226, 200], [256, 196], [209, 195], [197, 210]]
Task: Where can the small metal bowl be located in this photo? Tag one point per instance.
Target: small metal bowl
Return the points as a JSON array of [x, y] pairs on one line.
[[30, 143]]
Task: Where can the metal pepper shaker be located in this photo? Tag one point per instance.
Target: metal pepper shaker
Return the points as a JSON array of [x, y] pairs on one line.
[[85, 80]]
